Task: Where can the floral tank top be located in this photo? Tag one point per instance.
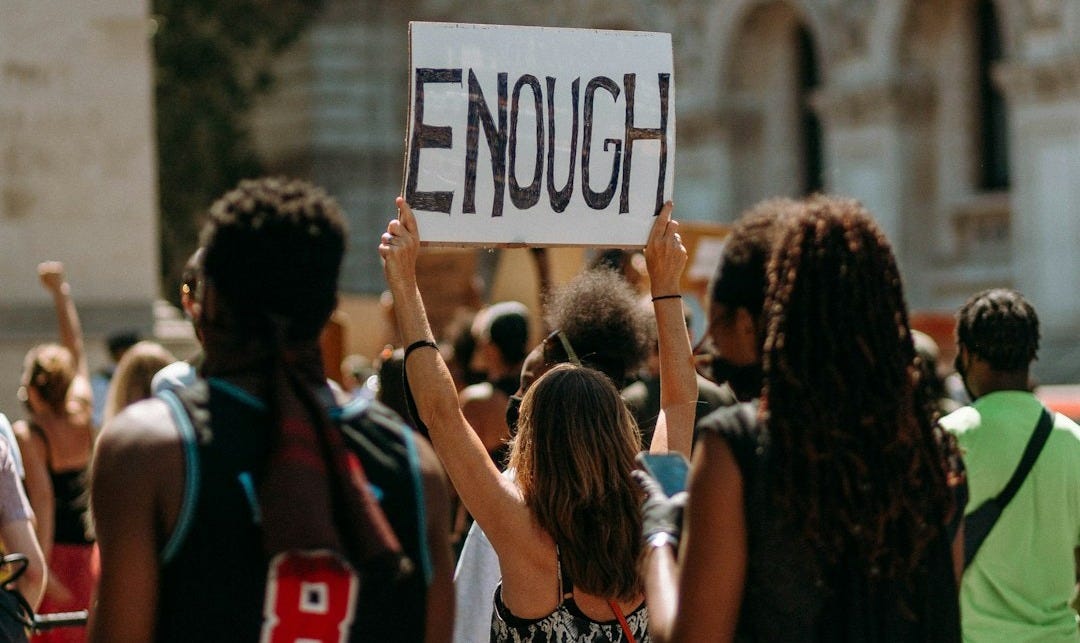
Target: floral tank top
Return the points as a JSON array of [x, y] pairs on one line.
[[567, 624]]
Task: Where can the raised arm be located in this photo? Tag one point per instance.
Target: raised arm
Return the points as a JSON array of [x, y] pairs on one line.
[[52, 278], [51, 274], [492, 500], [543, 281], [665, 257]]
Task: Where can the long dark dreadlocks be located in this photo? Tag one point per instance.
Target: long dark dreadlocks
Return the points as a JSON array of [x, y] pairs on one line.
[[861, 468]]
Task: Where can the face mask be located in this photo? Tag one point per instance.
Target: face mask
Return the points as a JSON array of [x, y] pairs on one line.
[[745, 380], [513, 412]]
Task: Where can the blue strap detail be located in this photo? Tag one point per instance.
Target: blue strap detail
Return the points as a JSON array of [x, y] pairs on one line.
[[248, 485], [235, 391], [421, 508], [191, 476], [350, 409]]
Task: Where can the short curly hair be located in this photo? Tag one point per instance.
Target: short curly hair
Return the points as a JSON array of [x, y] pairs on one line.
[[274, 247], [599, 314], [999, 326]]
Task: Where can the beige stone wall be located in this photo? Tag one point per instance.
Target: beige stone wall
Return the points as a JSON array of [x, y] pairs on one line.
[[77, 169]]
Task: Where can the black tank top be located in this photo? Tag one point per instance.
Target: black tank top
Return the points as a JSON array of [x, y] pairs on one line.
[[214, 570], [70, 502], [791, 594]]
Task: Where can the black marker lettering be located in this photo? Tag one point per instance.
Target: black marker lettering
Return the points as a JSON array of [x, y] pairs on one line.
[[524, 198], [441, 137], [644, 133], [496, 140], [560, 198], [598, 200]]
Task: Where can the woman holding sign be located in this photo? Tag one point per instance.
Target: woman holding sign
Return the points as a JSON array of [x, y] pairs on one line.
[[566, 529]]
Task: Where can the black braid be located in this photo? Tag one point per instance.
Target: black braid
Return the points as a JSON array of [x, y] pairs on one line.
[[858, 457]]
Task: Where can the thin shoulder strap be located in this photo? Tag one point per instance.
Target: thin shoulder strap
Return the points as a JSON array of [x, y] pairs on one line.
[[40, 432], [190, 498], [622, 621], [566, 586], [1027, 461]]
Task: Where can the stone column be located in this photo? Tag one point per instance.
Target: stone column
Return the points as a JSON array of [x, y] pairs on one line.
[[874, 139], [1044, 124]]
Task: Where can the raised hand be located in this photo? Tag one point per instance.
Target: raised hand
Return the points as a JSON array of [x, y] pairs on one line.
[[665, 255], [51, 274], [399, 246]]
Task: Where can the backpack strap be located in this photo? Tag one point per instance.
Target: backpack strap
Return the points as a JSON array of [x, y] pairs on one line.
[[362, 410], [190, 498]]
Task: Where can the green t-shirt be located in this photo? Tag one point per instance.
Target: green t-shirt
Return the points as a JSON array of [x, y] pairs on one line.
[[1019, 585]]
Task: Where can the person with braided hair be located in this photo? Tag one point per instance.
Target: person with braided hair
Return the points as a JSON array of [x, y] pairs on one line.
[[1018, 585], [821, 512], [253, 504]]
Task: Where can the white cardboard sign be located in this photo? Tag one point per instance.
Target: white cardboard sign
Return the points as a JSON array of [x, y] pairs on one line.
[[538, 136]]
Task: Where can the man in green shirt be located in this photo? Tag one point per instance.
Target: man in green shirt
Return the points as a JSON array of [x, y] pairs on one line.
[[1019, 584]]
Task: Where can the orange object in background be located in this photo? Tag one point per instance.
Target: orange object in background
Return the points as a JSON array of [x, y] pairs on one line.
[[941, 326], [332, 344]]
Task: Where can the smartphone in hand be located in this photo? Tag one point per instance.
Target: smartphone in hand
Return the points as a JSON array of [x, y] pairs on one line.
[[669, 469]]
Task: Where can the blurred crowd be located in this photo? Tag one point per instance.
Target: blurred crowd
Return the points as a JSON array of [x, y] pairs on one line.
[[480, 486]]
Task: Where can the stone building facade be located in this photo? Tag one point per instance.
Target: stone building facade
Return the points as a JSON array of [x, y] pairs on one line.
[[957, 122], [78, 178]]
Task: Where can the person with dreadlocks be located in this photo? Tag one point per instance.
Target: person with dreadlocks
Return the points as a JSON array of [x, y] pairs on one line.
[[566, 526], [822, 512], [244, 507], [1018, 585]]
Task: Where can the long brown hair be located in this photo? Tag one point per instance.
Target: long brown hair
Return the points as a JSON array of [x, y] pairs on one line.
[[858, 458], [573, 454]]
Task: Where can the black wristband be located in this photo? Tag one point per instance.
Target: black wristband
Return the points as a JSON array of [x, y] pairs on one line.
[[658, 298], [420, 343]]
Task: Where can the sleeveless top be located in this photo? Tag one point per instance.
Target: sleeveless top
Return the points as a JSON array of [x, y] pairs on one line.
[[70, 502], [567, 624], [214, 570], [792, 594]]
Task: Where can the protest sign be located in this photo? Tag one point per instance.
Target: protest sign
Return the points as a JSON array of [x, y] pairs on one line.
[[538, 136]]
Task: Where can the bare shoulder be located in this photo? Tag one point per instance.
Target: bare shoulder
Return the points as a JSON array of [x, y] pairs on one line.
[[141, 425], [139, 441], [714, 464], [23, 434], [31, 445]]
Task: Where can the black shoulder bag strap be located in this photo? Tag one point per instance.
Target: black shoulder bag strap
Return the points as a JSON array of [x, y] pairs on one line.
[[977, 524]]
